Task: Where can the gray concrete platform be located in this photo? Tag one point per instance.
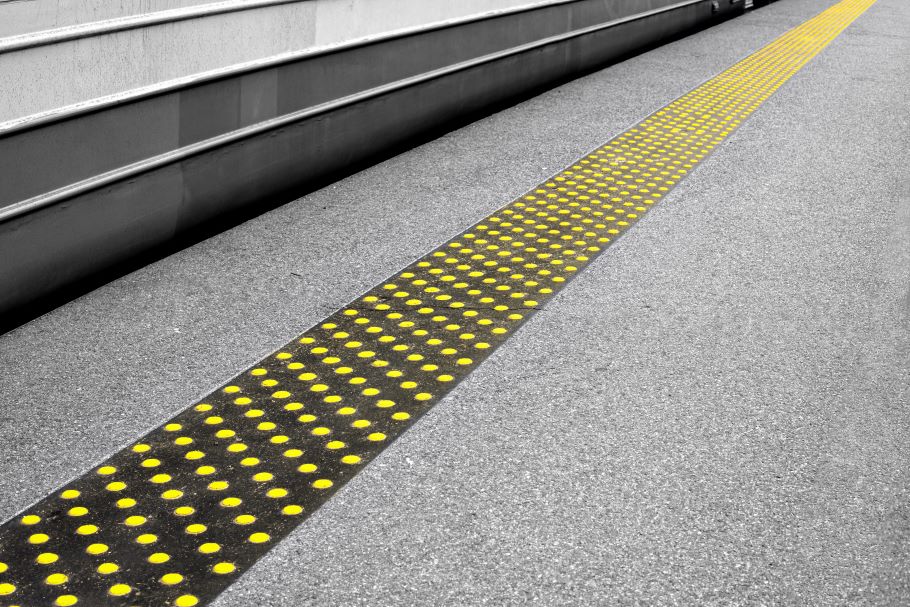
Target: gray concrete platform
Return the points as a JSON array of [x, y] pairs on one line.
[[716, 412]]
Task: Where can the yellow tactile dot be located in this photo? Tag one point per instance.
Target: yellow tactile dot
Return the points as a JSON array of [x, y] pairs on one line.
[[245, 519], [108, 568], [231, 502], [119, 590], [225, 434], [45, 558], [66, 600], [202, 407], [126, 502], [6, 589], [205, 470], [96, 548], [150, 463], [106, 470], [385, 403], [262, 477], [322, 483], [401, 416], [170, 579], [293, 406], [141, 448], [376, 437], [249, 461], [307, 418], [320, 431], [70, 494], [55, 579], [243, 400], [350, 459], [209, 548], [146, 538], [158, 558], [172, 494], [196, 528], [223, 568], [184, 511], [160, 479], [217, 486], [134, 521], [307, 468], [30, 519], [236, 447], [87, 529], [115, 486], [259, 538], [186, 600], [346, 411], [277, 492], [172, 427], [337, 444]]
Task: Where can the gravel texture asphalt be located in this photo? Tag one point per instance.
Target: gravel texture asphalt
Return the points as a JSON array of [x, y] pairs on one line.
[[715, 412]]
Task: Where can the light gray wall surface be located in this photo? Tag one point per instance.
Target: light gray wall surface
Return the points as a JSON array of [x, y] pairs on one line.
[[101, 62], [28, 16]]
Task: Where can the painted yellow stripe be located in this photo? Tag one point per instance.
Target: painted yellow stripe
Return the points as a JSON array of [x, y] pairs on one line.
[[174, 518]]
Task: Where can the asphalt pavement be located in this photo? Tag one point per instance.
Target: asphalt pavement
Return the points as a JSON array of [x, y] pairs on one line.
[[717, 411]]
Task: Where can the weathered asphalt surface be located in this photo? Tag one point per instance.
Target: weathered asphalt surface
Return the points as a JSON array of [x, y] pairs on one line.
[[716, 412]]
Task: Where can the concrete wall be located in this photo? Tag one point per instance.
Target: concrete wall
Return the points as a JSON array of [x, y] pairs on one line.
[[28, 16], [37, 76]]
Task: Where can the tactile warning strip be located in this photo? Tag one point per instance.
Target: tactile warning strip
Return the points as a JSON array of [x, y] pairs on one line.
[[174, 518]]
